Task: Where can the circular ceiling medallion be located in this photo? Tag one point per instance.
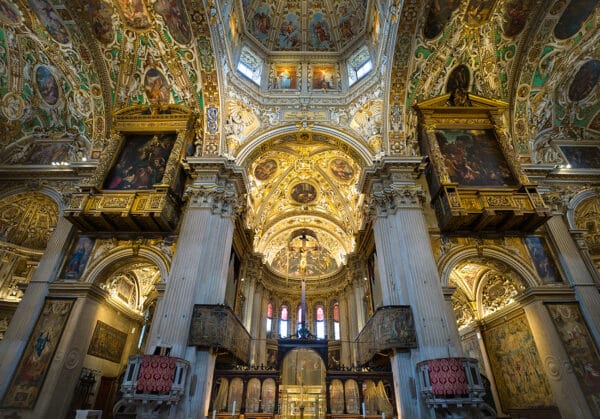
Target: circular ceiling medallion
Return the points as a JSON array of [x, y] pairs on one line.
[[265, 169], [304, 193], [341, 169]]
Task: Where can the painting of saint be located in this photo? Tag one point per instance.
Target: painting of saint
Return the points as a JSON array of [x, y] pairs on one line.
[[51, 20], [31, 372], [9, 13], [459, 78], [573, 17], [304, 193], [78, 257], [348, 22], [289, 32], [323, 77], [478, 12], [474, 158], [341, 168], [319, 32], [100, 14], [542, 261], [265, 170], [515, 16], [438, 17], [261, 22], [141, 163], [582, 157], [172, 12], [155, 86], [135, 13], [47, 85], [286, 77], [585, 80]]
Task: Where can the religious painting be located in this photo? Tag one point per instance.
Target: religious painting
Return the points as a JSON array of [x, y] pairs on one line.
[[253, 395], [542, 260], [286, 77], [9, 13], [265, 169], [473, 157], [78, 257], [303, 193], [100, 15], [576, 12], [47, 153], [320, 37], [173, 13], [438, 17], [581, 350], [333, 358], [515, 16], [50, 20], [585, 80], [515, 363], [135, 14], [30, 374], [478, 12], [47, 85], [582, 157], [107, 342], [341, 169], [348, 22], [268, 395], [289, 32], [141, 163], [324, 77], [156, 87], [261, 22], [459, 78]]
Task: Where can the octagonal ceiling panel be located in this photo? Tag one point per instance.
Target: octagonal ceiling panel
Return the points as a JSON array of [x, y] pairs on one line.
[[294, 25]]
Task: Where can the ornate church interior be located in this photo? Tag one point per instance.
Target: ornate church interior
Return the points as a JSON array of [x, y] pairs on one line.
[[299, 209]]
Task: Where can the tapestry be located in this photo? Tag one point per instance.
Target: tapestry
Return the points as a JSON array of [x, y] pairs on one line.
[[581, 350], [30, 374], [447, 376], [107, 342], [516, 365], [157, 374]]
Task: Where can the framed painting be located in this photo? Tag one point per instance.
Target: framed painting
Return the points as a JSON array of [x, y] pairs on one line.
[[107, 343], [473, 157], [27, 382], [324, 77], [581, 157], [286, 77], [78, 258], [542, 260]]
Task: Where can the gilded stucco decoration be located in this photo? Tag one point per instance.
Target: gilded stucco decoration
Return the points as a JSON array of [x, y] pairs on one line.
[[27, 219], [132, 285], [587, 218]]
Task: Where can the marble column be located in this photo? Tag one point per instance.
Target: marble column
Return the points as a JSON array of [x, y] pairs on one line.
[[567, 393], [30, 306], [577, 273], [198, 276], [345, 336], [408, 275]]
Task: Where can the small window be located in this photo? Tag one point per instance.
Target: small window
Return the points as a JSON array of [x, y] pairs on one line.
[[359, 65], [269, 316], [320, 322], [336, 321], [299, 319], [250, 65], [283, 322]]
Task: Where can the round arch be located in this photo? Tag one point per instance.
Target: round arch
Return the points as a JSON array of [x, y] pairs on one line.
[[53, 194], [575, 202]]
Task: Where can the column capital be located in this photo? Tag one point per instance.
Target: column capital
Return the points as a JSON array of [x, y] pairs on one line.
[[390, 199]]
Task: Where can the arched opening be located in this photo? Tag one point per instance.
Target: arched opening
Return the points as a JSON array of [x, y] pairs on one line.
[[302, 389]]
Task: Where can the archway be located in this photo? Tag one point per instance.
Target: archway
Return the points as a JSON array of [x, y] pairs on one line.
[[302, 389]]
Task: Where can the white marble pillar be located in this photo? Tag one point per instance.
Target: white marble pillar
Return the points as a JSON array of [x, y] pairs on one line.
[[258, 318], [567, 393], [345, 336], [30, 306], [578, 275]]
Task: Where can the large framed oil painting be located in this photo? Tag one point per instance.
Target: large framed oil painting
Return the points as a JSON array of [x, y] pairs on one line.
[[141, 163], [473, 158], [78, 258], [107, 342], [324, 77], [581, 350], [542, 259], [286, 77], [582, 157], [30, 374]]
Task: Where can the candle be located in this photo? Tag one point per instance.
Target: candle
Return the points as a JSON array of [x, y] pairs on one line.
[[363, 409], [233, 409], [214, 414], [382, 415]]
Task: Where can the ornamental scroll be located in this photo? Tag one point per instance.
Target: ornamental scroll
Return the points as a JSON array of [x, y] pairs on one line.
[[475, 178], [215, 326], [390, 327]]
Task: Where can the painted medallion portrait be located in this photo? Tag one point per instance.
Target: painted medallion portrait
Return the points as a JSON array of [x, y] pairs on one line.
[[9, 13], [135, 13], [323, 77], [304, 193], [100, 14], [576, 12], [585, 80], [155, 86], [47, 85], [264, 170], [173, 13], [286, 77], [341, 169], [51, 20], [473, 158], [439, 15]]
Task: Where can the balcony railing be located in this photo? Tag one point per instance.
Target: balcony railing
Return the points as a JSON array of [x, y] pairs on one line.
[[155, 378]]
